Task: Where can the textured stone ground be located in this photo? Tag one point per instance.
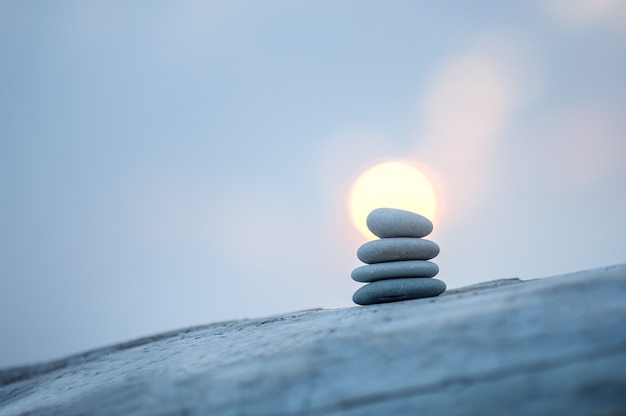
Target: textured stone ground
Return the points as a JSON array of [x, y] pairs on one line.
[[549, 346]]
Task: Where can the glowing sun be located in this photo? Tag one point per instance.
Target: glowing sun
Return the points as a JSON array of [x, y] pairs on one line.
[[391, 185]]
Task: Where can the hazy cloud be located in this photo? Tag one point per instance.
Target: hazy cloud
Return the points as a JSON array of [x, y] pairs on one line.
[[470, 101], [583, 142], [253, 225], [610, 14]]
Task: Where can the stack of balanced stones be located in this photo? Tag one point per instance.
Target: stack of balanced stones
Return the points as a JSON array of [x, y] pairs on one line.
[[398, 266]]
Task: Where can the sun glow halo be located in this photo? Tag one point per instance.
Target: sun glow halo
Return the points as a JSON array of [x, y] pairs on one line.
[[391, 185]]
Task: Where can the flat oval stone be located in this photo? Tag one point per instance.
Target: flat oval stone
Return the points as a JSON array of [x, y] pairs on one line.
[[393, 290], [391, 222], [395, 269], [396, 249]]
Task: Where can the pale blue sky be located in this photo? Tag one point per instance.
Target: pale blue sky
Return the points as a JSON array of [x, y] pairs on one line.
[[167, 164]]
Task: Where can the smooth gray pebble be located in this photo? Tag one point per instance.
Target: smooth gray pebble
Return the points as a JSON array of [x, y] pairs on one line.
[[393, 290], [397, 249], [392, 222], [395, 269]]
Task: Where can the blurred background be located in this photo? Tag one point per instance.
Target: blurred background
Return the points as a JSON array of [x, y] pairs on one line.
[[173, 163]]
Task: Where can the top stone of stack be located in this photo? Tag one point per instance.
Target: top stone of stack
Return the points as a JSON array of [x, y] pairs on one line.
[[391, 222]]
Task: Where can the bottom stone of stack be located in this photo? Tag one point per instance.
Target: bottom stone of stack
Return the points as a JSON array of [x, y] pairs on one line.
[[393, 290]]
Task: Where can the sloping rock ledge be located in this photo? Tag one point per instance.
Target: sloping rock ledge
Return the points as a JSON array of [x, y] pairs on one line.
[[546, 346]]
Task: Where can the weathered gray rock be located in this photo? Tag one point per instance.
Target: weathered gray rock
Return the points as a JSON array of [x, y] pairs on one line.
[[391, 222], [541, 347], [395, 269], [397, 249], [394, 290]]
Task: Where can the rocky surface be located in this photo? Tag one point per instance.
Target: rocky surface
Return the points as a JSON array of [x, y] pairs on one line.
[[549, 346]]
